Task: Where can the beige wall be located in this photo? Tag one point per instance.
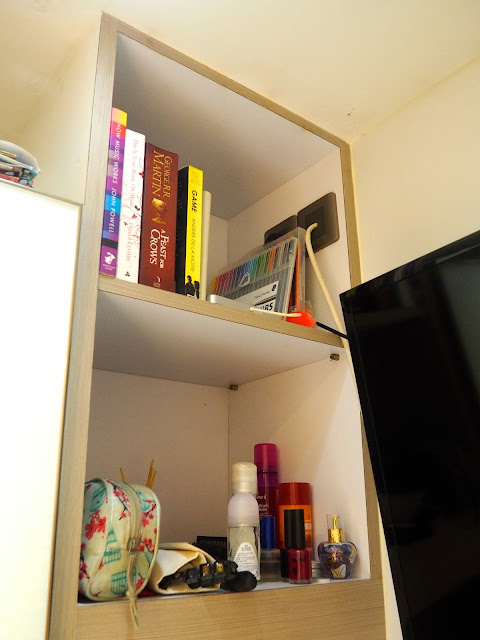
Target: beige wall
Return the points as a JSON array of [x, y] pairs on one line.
[[417, 188], [59, 131], [417, 175]]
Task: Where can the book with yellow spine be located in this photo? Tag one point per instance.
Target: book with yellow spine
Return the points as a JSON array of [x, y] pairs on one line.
[[189, 231]]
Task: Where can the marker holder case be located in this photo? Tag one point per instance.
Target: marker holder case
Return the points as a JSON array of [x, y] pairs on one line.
[[263, 278]]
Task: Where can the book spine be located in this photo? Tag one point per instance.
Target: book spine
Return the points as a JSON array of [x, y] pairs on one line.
[[113, 193], [3, 176], [129, 231], [159, 217], [189, 232], [207, 204]]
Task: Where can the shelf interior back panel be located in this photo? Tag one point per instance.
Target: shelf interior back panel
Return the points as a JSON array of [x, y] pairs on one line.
[[240, 145], [143, 338]]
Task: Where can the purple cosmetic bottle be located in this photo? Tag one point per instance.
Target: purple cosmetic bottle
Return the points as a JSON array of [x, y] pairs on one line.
[[337, 556], [265, 458]]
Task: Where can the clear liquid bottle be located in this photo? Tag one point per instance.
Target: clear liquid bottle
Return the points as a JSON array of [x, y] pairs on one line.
[[244, 520]]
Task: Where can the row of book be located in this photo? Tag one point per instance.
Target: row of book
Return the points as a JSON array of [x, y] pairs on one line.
[[156, 216]]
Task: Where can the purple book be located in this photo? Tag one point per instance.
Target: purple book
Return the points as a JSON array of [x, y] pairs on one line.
[[113, 193]]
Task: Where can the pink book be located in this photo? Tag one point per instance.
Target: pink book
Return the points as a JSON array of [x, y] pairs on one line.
[[113, 193]]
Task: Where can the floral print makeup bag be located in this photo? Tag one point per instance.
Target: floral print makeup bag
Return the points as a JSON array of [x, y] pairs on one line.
[[120, 535]]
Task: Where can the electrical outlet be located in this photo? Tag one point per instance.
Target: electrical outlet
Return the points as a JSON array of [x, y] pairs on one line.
[[280, 229], [324, 212]]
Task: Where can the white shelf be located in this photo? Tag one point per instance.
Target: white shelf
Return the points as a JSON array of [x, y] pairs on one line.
[[146, 332]]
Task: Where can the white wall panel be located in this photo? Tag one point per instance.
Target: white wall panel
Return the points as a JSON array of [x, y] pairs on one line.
[[183, 428], [37, 269]]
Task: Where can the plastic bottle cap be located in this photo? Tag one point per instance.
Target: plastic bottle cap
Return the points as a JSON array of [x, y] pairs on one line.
[[267, 532], [336, 533], [294, 493], [243, 510], [244, 478], [294, 529], [265, 457]]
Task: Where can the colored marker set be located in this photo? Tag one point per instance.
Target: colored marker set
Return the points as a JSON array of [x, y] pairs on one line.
[[263, 278]]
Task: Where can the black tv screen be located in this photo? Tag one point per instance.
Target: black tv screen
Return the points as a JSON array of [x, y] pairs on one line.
[[414, 336]]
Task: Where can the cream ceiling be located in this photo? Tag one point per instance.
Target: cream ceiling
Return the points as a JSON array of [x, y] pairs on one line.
[[344, 64]]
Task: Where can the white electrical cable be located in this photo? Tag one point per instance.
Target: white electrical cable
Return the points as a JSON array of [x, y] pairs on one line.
[[326, 293], [276, 313], [323, 286]]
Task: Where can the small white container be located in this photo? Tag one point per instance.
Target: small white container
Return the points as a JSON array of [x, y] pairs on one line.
[[244, 520]]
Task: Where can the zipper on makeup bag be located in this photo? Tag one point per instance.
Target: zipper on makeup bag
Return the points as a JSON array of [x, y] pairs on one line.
[[132, 547]]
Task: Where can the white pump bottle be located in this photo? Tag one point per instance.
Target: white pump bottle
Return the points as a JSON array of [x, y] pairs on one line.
[[244, 520]]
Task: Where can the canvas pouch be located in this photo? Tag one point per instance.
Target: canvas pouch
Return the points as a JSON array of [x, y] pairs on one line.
[[176, 557], [120, 537]]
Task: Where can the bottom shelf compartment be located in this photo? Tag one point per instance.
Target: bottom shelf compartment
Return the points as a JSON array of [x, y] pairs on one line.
[[195, 433], [346, 610], [311, 413]]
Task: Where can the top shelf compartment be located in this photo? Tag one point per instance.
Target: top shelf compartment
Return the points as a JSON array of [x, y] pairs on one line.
[[144, 331], [245, 150]]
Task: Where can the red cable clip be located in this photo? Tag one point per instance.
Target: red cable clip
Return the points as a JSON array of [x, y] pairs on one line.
[[306, 315]]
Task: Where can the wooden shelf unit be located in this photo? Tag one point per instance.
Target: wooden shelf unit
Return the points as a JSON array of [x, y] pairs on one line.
[[103, 311]]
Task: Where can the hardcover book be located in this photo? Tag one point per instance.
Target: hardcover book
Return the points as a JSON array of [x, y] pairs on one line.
[[189, 232], [158, 236], [129, 231], [113, 193]]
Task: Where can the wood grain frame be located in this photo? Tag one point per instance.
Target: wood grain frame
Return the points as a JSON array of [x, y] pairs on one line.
[[354, 609]]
